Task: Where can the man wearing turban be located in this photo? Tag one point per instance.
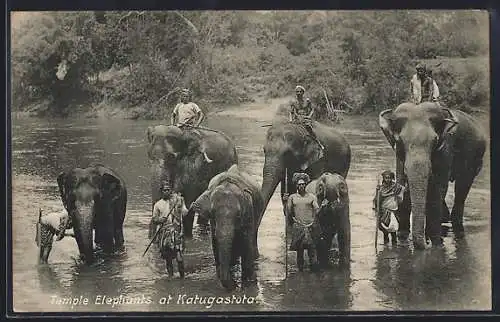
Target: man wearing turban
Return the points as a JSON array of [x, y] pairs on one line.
[[302, 209], [423, 87], [391, 196], [187, 116]]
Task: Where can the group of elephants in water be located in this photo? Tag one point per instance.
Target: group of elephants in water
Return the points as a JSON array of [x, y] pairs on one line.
[[433, 145]]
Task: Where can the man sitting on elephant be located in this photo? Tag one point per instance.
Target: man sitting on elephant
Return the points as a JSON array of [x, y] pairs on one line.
[[302, 111], [187, 116], [302, 209], [53, 223], [391, 196], [423, 87], [168, 212]]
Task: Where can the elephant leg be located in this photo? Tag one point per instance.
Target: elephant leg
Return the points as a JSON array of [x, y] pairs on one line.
[[119, 240], [313, 259], [169, 266], [300, 258], [119, 216], [403, 214], [323, 248], [344, 237], [248, 262], [462, 188]]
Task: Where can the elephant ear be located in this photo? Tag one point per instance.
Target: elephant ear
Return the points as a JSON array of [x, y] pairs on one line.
[[385, 120], [445, 124], [110, 186], [62, 179]]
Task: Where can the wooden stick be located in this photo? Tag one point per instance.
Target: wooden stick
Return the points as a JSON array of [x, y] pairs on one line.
[[377, 211]]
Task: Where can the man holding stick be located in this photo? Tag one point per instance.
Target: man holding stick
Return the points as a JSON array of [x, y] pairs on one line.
[[168, 212]]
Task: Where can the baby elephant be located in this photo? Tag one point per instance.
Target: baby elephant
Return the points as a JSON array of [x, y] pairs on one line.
[[232, 203], [331, 191]]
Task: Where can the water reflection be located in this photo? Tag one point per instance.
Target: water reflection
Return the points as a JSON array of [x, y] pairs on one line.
[[454, 277]]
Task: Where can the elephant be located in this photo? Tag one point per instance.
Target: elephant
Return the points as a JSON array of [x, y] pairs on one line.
[[433, 145], [95, 198], [232, 203], [174, 156], [289, 147], [334, 218]]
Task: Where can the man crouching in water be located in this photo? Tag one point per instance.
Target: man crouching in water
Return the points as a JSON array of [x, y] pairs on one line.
[[48, 226], [168, 212]]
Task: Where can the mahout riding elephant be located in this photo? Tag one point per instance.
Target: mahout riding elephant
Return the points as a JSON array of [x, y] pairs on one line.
[[433, 145], [333, 218], [232, 203], [95, 198], [175, 157], [289, 146]]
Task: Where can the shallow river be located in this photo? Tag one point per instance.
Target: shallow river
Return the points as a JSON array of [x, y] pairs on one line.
[[455, 277]]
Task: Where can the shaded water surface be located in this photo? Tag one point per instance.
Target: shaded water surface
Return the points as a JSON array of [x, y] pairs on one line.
[[393, 278]]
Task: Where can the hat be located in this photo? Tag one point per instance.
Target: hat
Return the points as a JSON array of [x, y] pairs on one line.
[[300, 176], [300, 87], [388, 173], [165, 184], [185, 91], [421, 67]]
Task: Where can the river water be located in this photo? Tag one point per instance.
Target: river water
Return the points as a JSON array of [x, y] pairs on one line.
[[456, 277]]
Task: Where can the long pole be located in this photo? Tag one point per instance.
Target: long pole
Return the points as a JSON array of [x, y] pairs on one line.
[[157, 231], [377, 212], [286, 224]]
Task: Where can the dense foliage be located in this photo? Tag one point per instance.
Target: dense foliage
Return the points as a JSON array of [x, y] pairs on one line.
[[139, 60]]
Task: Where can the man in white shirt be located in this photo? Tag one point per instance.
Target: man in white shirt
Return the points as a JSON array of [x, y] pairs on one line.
[[48, 226], [168, 212], [423, 88], [187, 116]]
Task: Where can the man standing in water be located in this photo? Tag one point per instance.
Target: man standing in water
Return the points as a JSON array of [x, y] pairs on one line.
[[187, 116], [302, 208], [391, 196], [302, 112], [168, 212]]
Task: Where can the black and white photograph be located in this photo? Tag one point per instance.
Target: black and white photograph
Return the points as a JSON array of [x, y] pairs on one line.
[[249, 161]]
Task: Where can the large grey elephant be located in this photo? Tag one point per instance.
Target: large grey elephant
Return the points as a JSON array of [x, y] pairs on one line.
[[175, 156], [334, 218], [433, 145], [95, 198], [232, 203], [289, 146]]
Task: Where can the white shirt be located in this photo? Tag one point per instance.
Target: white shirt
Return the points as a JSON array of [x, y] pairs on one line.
[[162, 209], [186, 113], [53, 219], [416, 89]]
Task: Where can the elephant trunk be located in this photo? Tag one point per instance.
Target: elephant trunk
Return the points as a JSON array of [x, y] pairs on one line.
[[225, 255], [83, 219], [158, 173], [418, 171], [272, 172]]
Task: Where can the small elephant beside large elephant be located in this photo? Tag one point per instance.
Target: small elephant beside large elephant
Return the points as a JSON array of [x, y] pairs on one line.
[[334, 218], [232, 203], [433, 145], [95, 198], [175, 157], [289, 149]]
